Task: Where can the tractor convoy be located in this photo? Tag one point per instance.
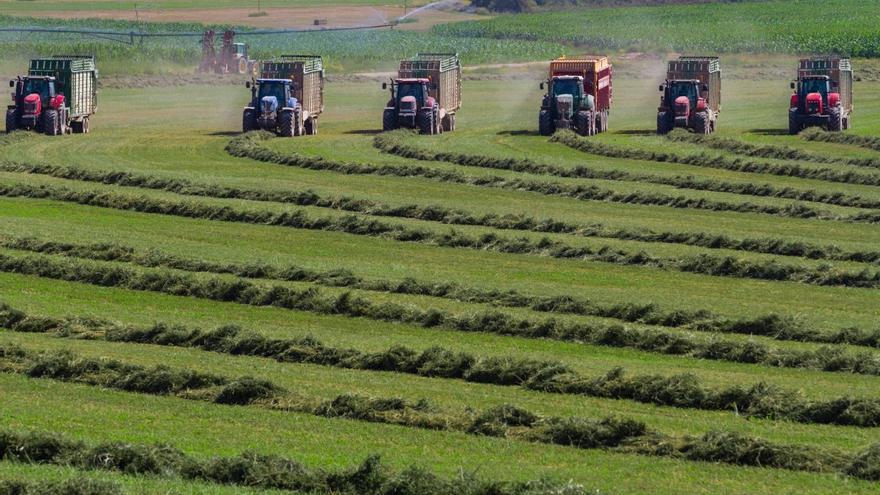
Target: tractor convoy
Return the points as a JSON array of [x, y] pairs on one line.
[[425, 95], [59, 94], [578, 96]]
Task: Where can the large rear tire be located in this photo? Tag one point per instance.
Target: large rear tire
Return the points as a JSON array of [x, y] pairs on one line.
[[701, 123], [389, 120], [662, 123], [545, 123], [50, 122], [248, 121], [583, 124], [286, 122], [425, 121], [11, 120], [835, 120]]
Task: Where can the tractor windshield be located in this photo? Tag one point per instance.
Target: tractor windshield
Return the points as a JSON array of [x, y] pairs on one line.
[[273, 88], [814, 86], [411, 89], [687, 89], [567, 87], [39, 86]]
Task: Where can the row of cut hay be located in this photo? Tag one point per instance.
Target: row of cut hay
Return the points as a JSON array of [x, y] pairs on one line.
[[679, 391], [250, 146], [785, 328], [817, 134], [735, 164], [775, 151], [703, 264], [506, 421], [447, 215], [396, 144]]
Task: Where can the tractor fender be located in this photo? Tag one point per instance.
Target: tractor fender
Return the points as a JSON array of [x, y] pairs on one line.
[[292, 103], [833, 99], [430, 102]]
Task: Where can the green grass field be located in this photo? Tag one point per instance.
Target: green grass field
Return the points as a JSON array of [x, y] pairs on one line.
[[68, 190]]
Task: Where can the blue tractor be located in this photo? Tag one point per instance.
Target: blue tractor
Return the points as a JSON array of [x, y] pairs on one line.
[[273, 108]]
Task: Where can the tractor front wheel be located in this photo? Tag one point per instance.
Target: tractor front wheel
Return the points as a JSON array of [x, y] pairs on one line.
[[11, 120], [545, 123], [425, 120], [662, 123], [248, 121], [389, 120], [50, 122], [583, 124], [285, 124]]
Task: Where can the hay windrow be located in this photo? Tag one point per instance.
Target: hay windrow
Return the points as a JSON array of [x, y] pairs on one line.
[[687, 391], [446, 215], [720, 162], [817, 134], [704, 264], [770, 325]]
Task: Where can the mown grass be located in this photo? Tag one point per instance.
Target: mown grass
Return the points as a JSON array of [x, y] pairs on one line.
[[202, 430]]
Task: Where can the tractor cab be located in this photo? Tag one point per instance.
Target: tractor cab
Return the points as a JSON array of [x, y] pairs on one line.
[[812, 94], [566, 96], [271, 95], [410, 94], [684, 97]]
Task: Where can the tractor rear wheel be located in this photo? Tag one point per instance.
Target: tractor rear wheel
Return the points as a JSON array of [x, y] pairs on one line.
[[425, 120], [50, 122], [835, 121], [389, 120], [312, 126], [285, 124], [583, 124], [701, 123], [11, 120], [662, 123], [248, 121]]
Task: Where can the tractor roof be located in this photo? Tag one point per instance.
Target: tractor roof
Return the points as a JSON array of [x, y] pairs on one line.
[[273, 80], [569, 78], [412, 80]]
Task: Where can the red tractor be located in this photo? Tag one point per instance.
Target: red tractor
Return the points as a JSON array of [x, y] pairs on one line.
[[425, 95], [691, 95], [232, 59], [822, 95]]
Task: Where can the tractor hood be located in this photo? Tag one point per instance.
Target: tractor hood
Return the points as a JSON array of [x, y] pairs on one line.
[[408, 104], [565, 106]]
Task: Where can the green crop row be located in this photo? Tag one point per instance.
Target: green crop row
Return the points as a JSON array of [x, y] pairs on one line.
[[778, 26], [341, 49], [442, 214]]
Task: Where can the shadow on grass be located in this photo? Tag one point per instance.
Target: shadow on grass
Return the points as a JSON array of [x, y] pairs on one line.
[[769, 132], [367, 132], [636, 132], [519, 132], [225, 133]]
